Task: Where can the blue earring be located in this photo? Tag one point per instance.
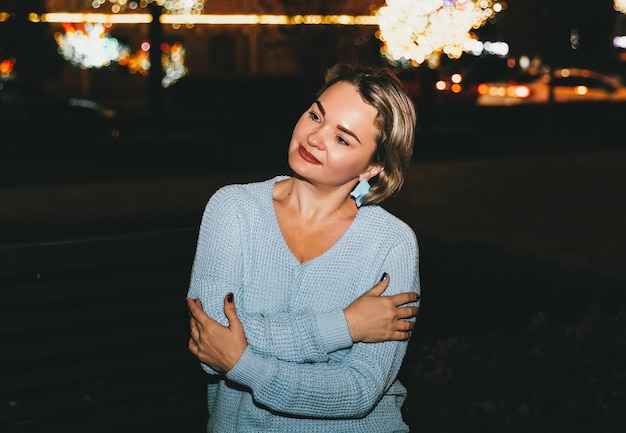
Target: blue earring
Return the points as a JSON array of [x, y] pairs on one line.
[[362, 188]]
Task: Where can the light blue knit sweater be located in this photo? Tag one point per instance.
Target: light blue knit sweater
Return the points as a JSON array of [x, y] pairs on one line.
[[301, 372]]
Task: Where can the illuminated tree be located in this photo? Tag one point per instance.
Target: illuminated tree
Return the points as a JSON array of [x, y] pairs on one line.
[[414, 32]]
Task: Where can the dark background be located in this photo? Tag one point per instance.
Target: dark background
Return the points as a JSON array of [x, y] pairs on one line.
[[519, 212]]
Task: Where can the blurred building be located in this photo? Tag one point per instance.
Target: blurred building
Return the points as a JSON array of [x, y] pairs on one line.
[[253, 50]]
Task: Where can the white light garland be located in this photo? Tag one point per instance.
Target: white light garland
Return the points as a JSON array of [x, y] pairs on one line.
[[174, 68], [174, 7], [418, 31], [89, 46]]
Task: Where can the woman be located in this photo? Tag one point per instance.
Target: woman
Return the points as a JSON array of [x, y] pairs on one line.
[[306, 259]]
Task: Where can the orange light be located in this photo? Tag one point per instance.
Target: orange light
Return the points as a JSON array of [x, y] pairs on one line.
[[581, 90], [518, 91], [6, 66]]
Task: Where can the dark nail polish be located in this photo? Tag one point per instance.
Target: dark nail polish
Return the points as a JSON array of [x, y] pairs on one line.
[[229, 297], [384, 278]]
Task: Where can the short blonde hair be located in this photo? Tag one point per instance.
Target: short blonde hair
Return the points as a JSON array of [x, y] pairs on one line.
[[396, 122]]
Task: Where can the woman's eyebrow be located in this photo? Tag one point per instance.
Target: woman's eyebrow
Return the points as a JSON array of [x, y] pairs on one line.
[[347, 131], [341, 128], [319, 105]]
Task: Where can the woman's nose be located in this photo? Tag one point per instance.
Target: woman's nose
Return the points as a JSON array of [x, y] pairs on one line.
[[316, 139]]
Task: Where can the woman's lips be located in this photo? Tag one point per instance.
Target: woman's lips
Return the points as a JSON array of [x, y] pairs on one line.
[[307, 156]]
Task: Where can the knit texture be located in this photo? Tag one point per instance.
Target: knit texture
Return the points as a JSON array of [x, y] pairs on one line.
[[300, 372]]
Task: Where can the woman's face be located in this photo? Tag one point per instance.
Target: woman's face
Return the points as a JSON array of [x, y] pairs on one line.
[[334, 140]]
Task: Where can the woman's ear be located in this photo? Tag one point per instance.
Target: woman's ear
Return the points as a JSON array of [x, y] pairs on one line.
[[374, 170]]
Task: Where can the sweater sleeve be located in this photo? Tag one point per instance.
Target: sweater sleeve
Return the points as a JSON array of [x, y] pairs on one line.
[[303, 336], [349, 386]]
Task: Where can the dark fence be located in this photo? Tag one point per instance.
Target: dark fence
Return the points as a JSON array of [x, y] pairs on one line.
[[94, 336]]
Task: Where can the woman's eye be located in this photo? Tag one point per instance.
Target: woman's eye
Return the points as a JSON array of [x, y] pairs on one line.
[[313, 115], [342, 140]]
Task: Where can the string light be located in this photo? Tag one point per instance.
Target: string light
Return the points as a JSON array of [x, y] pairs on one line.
[[174, 7], [172, 61], [414, 32], [209, 19], [88, 45]]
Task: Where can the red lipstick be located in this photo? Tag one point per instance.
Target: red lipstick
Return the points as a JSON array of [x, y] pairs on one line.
[[307, 156]]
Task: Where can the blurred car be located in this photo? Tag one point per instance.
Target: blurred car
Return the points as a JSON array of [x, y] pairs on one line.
[[569, 85], [448, 89], [455, 89], [30, 117]]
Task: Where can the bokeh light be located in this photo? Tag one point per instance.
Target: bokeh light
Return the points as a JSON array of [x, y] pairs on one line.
[[89, 45], [174, 7], [7, 68], [172, 61], [414, 32]]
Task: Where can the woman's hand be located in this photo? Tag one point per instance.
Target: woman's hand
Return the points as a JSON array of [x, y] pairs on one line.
[[218, 346], [373, 318]]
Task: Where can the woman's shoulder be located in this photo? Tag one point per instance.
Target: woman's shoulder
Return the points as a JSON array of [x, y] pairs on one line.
[[380, 219], [248, 192]]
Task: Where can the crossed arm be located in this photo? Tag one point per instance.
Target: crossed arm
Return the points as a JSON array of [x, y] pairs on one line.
[[371, 318], [354, 382]]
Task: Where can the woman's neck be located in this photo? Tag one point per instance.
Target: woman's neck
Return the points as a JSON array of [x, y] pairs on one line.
[[313, 203]]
